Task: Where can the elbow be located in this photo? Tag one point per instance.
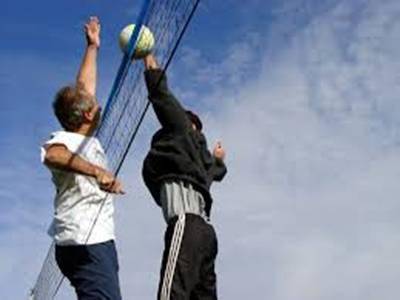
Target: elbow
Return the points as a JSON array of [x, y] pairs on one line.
[[81, 84], [51, 159], [220, 177], [221, 174], [55, 157], [87, 86]]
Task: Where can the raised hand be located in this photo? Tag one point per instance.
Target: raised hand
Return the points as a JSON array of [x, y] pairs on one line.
[[219, 151], [92, 31]]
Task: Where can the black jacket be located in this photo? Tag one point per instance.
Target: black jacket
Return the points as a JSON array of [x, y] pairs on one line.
[[177, 150]]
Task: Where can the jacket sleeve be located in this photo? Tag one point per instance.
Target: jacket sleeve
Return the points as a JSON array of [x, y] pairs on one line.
[[169, 111], [218, 170]]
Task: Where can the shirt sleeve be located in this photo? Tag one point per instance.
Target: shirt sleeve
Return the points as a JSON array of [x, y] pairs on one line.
[[218, 170], [168, 109], [72, 142]]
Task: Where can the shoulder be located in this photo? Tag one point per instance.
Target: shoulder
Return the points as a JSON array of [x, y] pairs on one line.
[[96, 144], [66, 136], [73, 141]]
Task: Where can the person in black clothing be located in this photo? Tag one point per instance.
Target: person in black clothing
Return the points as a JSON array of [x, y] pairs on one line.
[[178, 171]]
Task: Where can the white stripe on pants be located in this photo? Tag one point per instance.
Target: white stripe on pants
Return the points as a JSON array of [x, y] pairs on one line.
[[174, 248]]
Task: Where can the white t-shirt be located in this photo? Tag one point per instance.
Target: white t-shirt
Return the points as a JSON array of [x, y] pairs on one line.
[[78, 198]]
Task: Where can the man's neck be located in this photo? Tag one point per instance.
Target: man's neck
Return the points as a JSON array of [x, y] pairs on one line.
[[85, 130]]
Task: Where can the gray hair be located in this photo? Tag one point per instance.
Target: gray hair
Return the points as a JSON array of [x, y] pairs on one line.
[[70, 104]]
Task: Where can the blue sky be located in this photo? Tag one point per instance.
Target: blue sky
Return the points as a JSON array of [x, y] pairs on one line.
[[304, 96]]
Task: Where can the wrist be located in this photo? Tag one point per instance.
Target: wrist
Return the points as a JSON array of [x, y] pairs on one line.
[[219, 159], [150, 62], [93, 46], [97, 172]]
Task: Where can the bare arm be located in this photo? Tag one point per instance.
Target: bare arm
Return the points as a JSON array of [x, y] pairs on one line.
[[87, 74], [59, 157]]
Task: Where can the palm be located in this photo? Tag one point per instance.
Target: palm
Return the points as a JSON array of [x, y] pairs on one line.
[[92, 30], [219, 151]]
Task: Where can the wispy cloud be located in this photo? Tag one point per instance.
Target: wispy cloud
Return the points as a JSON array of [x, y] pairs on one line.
[[313, 153]]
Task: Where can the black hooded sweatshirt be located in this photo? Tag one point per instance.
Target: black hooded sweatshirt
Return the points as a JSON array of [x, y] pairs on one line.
[[178, 152]]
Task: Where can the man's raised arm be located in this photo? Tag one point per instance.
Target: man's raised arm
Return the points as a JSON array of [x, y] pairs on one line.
[[169, 111], [87, 75]]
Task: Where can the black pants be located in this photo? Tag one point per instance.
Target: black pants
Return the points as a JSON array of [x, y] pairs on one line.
[[91, 269], [188, 264]]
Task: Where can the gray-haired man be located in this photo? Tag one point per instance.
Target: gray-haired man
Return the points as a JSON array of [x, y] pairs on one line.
[[86, 256]]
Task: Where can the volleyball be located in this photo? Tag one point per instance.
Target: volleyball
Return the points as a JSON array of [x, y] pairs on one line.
[[145, 42]]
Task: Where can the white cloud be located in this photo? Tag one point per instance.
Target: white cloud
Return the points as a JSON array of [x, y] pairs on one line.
[[308, 209]]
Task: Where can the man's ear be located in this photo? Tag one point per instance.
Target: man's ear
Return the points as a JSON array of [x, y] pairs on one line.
[[88, 115]]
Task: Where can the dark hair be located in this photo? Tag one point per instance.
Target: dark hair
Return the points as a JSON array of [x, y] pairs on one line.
[[69, 106], [195, 119]]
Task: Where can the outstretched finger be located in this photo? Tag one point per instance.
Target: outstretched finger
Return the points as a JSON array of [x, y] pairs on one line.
[[117, 187], [94, 19]]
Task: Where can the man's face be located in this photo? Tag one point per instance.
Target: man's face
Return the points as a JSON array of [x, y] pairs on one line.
[[93, 116]]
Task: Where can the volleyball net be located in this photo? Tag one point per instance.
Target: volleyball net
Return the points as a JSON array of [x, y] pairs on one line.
[[127, 105]]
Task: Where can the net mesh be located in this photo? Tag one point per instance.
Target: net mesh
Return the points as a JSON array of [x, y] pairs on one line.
[[127, 105]]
